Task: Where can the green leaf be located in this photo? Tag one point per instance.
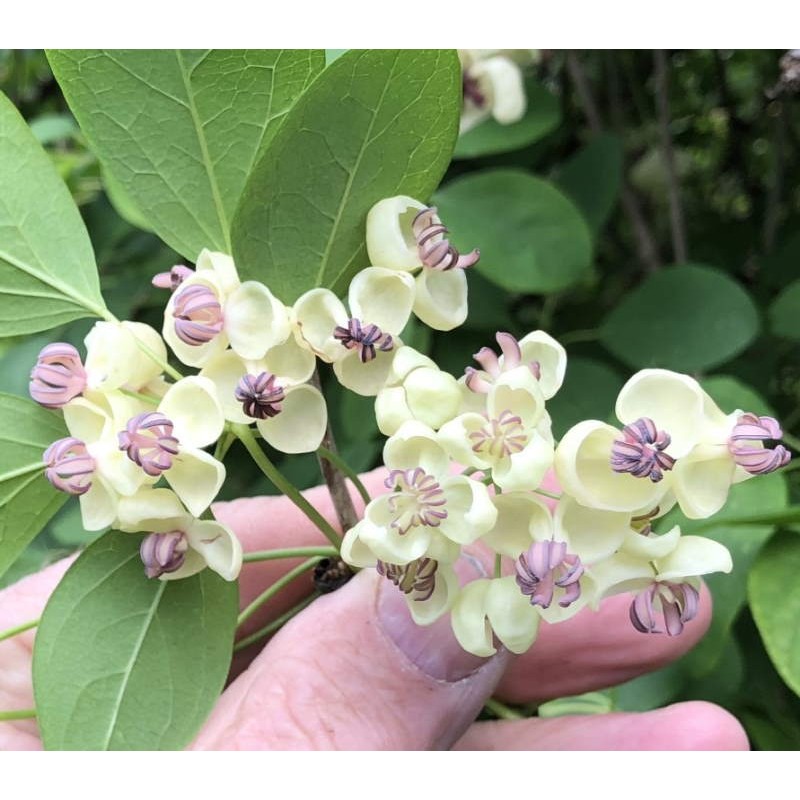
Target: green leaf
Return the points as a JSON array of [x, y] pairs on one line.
[[490, 137], [593, 177], [774, 593], [126, 663], [48, 274], [531, 237], [375, 124], [784, 313], [180, 130], [27, 500], [683, 318]]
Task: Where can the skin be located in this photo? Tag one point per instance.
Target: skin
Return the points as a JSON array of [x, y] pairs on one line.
[[312, 686]]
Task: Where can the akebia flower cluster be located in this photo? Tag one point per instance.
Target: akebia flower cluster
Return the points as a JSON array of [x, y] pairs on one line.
[[472, 467]]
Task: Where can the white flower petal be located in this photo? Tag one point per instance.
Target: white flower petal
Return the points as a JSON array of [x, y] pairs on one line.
[[87, 421], [385, 541], [121, 474], [391, 409], [551, 357], [416, 445], [441, 298], [468, 619], [433, 396], [222, 268], [426, 612], [150, 510], [382, 297], [524, 470], [354, 551], [591, 533], [694, 556], [317, 313], [193, 563], [366, 379], [470, 511], [218, 546], [114, 359], [196, 478], [702, 479], [390, 237], [517, 391], [301, 423], [407, 359], [620, 573], [455, 434], [98, 506], [500, 81], [521, 520], [514, 620], [292, 362], [652, 547], [255, 320], [225, 371], [194, 409]]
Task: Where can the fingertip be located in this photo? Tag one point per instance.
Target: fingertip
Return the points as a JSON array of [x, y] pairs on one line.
[[700, 725]]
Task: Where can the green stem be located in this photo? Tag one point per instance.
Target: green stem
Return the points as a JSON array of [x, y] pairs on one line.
[[245, 436], [26, 626], [154, 401], [343, 467], [277, 623], [498, 566], [275, 588], [792, 441], [25, 713], [551, 495], [501, 710], [223, 445], [290, 552], [574, 337]]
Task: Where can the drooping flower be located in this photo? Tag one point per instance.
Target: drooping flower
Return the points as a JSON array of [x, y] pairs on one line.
[[430, 588], [177, 544], [405, 235], [360, 343]]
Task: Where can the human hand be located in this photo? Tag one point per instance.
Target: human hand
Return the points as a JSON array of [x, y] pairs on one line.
[[352, 671]]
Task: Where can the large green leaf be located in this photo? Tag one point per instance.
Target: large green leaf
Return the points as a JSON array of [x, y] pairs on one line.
[[784, 313], [774, 594], [490, 137], [376, 123], [684, 318], [126, 663], [179, 131], [531, 237], [593, 177], [27, 500], [48, 274]]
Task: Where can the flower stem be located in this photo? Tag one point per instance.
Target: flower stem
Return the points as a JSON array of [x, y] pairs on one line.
[[498, 566], [551, 495], [275, 588], [792, 441], [25, 713], [223, 444], [153, 401], [337, 461], [290, 552], [26, 626], [574, 337], [277, 623], [501, 710], [283, 484]]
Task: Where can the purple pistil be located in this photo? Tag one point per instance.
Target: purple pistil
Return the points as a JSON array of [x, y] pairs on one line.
[[163, 553], [148, 441], [501, 437], [58, 376], [746, 444], [435, 250], [198, 314], [678, 603], [418, 499], [419, 576], [640, 451], [544, 567], [260, 395], [69, 466], [173, 279], [365, 338], [490, 367]]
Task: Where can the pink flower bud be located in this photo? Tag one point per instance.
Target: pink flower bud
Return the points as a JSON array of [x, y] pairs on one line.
[[746, 445], [173, 279], [58, 376], [163, 553], [69, 466]]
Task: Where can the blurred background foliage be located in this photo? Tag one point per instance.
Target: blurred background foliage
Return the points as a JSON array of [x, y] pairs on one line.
[[645, 212]]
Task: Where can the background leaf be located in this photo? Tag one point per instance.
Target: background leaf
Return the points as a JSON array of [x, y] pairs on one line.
[[542, 115], [774, 593], [126, 663], [784, 313], [684, 318], [27, 500], [375, 124], [180, 130], [47, 271], [531, 237]]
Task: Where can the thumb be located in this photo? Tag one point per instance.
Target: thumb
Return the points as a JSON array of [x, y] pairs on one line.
[[353, 671]]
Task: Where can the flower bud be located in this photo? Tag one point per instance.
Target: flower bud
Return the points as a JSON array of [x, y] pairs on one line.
[[69, 466], [163, 553], [58, 376]]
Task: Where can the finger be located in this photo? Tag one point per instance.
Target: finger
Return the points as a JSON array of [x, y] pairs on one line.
[[594, 650], [354, 671], [683, 726]]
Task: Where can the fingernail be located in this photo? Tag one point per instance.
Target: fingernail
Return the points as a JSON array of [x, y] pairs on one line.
[[433, 648]]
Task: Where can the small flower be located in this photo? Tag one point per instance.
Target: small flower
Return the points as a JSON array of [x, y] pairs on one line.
[[677, 602], [178, 545], [429, 587], [69, 466], [198, 315], [58, 376], [640, 451], [546, 566]]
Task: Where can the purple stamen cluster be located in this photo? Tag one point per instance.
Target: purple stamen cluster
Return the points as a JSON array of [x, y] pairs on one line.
[[678, 604], [173, 279], [435, 250], [198, 314], [58, 376], [260, 395], [472, 91], [544, 567], [163, 553], [749, 432], [365, 338], [643, 523], [69, 466], [640, 451], [418, 499], [491, 368], [419, 576], [148, 442], [502, 436]]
